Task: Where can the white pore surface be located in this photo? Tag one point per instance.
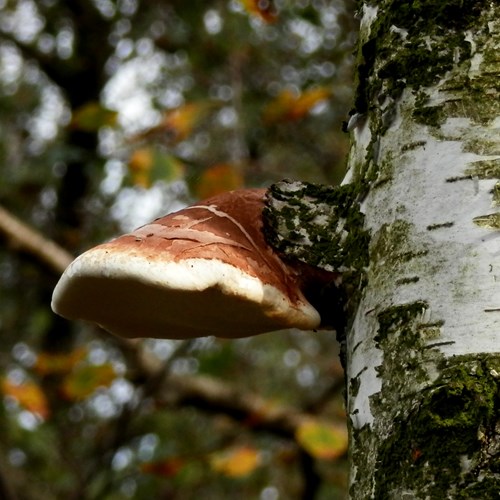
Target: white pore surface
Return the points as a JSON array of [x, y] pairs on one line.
[[132, 296]]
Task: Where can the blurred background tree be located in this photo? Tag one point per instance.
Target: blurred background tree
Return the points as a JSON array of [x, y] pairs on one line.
[[113, 112]]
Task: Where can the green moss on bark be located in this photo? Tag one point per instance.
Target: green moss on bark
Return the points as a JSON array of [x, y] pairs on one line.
[[395, 316], [442, 448], [441, 439], [484, 169]]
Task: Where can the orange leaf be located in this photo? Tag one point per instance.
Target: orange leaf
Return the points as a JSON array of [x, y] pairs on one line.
[[236, 462], [264, 411], [48, 363], [264, 9], [167, 468], [322, 440], [177, 124], [217, 179], [28, 395], [288, 106], [85, 379]]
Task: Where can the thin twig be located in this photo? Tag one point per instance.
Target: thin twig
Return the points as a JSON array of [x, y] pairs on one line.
[[26, 239]]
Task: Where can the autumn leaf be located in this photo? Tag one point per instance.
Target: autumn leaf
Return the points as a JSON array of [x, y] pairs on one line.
[[150, 164], [177, 124], [92, 116], [29, 395], [236, 462], [217, 179], [48, 363], [322, 440], [167, 468], [290, 106], [85, 379], [183, 119], [263, 9]]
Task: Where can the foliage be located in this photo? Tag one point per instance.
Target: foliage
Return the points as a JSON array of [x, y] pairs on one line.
[[113, 112]]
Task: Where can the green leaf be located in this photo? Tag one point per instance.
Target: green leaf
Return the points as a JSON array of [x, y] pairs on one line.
[[92, 116]]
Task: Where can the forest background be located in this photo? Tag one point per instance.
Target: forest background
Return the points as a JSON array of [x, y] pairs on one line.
[[113, 112]]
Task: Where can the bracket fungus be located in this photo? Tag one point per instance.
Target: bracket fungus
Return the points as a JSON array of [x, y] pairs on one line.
[[204, 270]]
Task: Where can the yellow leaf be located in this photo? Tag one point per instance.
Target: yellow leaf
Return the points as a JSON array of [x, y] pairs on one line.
[[141, 160], [322, 440], [150, 164], [140, 164], [289, 106], [85, 379], [264, 9], [217, 179], [48, 363], [92, 116], [28, 395], [236, 462]]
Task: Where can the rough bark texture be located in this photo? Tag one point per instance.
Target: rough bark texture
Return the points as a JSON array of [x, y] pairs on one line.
[[423, 350]]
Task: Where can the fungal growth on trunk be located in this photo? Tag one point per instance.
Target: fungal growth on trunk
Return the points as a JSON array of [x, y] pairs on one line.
[[204, 270]]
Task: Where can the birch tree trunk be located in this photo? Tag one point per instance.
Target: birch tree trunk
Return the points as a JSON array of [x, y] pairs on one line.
[[423, 350]]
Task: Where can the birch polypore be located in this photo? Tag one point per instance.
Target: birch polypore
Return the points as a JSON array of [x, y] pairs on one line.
[[423, 349], [205, 270]]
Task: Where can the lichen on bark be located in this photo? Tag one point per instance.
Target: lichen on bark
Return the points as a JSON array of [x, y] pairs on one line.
[[323, 227], [413, 45], [317, 224]]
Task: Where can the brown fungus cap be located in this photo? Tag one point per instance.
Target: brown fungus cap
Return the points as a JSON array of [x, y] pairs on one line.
[[204, 270]]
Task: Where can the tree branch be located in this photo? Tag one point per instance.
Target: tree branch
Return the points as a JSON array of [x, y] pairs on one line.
[[212, 395], [215, 396], [24, 238]]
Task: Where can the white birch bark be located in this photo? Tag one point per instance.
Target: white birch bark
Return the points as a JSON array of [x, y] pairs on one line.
[[423, 350]]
